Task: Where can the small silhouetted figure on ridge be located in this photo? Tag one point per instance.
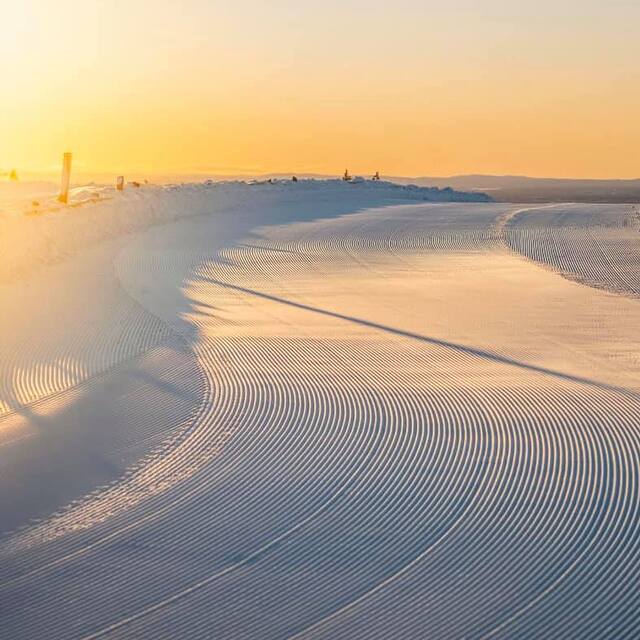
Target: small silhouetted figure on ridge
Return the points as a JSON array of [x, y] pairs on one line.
[[377, 176], [346, 177]]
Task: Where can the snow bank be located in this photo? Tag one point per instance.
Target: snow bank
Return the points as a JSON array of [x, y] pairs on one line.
[[36, 230]]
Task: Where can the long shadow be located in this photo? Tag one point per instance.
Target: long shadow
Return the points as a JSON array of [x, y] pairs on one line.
[[265, 248], [460, 348], [87, 440]]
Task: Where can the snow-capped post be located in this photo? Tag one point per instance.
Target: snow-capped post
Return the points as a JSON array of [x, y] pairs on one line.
[[66, 176], [120, 183]]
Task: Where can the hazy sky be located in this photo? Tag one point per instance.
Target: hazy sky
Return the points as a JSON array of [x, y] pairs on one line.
[[410, 87]]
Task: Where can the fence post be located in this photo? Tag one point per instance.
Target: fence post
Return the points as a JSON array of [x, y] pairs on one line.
[[66, 176]]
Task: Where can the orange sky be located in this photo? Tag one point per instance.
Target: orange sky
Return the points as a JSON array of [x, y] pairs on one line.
[[414, 87]]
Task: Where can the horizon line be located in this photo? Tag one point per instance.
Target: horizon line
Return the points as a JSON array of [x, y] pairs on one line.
[[40, 175]]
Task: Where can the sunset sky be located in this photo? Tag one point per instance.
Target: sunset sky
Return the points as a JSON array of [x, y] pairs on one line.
[[411, 87]]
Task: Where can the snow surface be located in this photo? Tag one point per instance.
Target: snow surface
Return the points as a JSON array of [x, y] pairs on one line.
[[318, 413], [35, 229]]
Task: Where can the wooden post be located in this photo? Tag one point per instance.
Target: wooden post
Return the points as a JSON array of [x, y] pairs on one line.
[[66, 176], [120, 183]]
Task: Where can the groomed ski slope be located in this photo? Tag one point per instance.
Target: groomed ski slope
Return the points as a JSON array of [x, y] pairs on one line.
[[324, 418], [599, 246]]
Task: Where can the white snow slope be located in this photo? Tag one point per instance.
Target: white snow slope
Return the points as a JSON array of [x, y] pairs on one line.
[[319, 413]]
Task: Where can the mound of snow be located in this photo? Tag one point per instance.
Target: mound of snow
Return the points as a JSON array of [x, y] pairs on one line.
[[37, 230]]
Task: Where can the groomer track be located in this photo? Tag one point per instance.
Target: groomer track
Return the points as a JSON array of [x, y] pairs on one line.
[[399, 427]]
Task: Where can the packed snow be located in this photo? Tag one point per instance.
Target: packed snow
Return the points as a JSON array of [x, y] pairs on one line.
[[35, 228], [318, 410]]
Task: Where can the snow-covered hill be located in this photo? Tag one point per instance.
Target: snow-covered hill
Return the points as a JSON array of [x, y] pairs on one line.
[[319, 411], [35, 229]]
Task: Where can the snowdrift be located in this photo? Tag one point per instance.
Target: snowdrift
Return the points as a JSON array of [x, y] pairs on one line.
[[36, 230]]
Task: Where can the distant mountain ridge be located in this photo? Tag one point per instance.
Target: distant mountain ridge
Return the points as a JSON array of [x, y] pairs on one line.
[[525, 189]]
